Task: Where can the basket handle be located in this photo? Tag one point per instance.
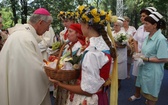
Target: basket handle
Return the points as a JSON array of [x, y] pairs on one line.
[[60, 54]]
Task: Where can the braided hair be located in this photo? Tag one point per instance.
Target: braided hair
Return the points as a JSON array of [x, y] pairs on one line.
[[101, 29]]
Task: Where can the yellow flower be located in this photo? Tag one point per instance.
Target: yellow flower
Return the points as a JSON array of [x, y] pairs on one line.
[[94, 12], [96, 19], [72, 13], [76, 15], [61, 12], [108, 18], [84, 17], [102, 12], [94, 15], [67, 13], [80, 8]]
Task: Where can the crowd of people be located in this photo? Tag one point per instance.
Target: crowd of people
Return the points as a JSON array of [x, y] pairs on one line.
[[23, 78]]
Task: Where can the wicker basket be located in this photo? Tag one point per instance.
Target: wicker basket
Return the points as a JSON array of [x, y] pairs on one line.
[[59, 74]]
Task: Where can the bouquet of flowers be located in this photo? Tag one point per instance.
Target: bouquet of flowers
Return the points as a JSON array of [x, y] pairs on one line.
[[121, 38]]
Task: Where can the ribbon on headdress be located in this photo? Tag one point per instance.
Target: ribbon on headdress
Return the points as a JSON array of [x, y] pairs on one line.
[[114, 75]]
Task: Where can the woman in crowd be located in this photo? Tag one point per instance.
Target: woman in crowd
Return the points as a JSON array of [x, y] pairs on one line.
[[75, 37], [130, 31], [66, 18], [138, 40], [96, 61], [152, 71], [121, 51]]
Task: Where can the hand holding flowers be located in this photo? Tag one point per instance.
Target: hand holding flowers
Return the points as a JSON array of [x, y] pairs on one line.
[[121, 39]]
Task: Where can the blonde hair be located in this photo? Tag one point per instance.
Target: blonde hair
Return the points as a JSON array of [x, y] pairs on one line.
[[119, 23], [127, 18]]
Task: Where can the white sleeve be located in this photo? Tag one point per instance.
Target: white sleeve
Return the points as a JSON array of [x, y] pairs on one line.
[[135, 37], [133, 30], [91, 65], [139, 30]]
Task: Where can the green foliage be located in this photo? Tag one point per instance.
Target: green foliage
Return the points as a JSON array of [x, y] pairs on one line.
[[76, 59], [12, 10], [56, 45], [54, 6], [109, 5], [7, 17]]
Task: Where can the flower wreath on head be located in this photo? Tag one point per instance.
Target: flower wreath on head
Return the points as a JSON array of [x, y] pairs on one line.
[[67, 15], [93, 15]]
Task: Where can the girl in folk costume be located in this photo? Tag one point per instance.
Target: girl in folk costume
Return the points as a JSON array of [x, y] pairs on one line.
[[76, 43], [67, 19], [75, 37], [96, 61]]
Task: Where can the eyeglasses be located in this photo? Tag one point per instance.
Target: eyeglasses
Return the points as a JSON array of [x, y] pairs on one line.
[[116, 25]]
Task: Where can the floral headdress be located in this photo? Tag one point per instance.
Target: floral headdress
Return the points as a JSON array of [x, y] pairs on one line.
[[67, 15], [93, 15]]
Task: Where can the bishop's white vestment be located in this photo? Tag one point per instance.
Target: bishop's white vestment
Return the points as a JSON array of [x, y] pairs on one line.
[[22, 78]]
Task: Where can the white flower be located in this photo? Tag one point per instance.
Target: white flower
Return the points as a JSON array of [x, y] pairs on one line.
[[121, 38]]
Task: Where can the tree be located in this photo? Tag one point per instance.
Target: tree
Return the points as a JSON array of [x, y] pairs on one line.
[[7, 17], [132, 11], [23, 11], [20, 9], [14, 7]]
